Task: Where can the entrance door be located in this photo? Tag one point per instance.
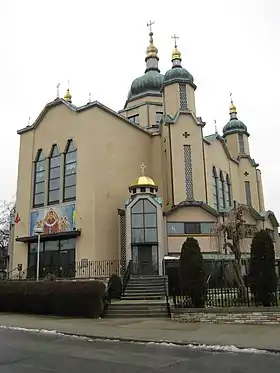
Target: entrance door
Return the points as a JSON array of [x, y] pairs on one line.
[[50, 262], [67, 261], [145, 260]]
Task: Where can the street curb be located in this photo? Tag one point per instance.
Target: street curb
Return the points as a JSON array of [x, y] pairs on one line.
[[204, 346], [213, 347]]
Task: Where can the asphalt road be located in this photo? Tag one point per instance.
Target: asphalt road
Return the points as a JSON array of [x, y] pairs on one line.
[[27, 352]]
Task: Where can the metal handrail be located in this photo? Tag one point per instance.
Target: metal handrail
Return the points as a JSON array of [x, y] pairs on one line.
[[126, 276]]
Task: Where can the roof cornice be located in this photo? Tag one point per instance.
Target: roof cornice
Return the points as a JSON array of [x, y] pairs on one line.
[[91, 105]]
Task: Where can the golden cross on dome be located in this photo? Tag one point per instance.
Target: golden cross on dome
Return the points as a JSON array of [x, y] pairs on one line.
[[143, 166], [150, 24], [175, 37], [230, 95]]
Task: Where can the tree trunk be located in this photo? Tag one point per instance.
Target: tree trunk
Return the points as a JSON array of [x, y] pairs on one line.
[[237, 265]]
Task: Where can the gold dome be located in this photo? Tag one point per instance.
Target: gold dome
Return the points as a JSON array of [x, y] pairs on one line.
[[143, 181], [68, 96], [176, 55], [152, 51], [232, 108]]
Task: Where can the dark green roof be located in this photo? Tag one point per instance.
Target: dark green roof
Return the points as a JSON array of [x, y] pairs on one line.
[[151, 82], [176, 74], [235, 126]]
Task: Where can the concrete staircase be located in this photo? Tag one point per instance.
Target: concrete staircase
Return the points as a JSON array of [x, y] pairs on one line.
[[143, 297]]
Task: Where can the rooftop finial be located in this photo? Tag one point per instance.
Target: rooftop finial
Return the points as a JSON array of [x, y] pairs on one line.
[[151, 50], [150, 24], [232, 108], [68, 96], [89, 98], [176, 55], [142, 166], [57, 90], [175, 37], [216, 127]]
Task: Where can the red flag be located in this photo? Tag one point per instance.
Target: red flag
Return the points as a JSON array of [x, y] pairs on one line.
[[17, 218]]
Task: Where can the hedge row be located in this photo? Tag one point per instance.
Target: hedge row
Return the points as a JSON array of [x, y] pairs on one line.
[[84, 298]]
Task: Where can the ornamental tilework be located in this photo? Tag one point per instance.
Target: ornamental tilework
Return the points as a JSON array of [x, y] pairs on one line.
[[183, 97], [123, 243], [188, 172]]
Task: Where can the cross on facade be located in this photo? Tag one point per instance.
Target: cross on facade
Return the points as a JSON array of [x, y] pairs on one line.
[[150, 24], [246, 173], [142, 166], [175, 37], [186, 135]]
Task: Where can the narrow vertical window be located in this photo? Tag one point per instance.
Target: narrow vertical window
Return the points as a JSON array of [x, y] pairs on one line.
[[39, 180], [183, 97], [228, 192], [241, 143], [54, 176], [221, 182], [215, 188], [248, 193], [188, 172], [70, 172]]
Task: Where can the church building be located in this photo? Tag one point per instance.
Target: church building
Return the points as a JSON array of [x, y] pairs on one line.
[[98, 185]]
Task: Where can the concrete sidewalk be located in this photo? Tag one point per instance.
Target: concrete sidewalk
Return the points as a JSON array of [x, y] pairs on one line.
[[154, 330]]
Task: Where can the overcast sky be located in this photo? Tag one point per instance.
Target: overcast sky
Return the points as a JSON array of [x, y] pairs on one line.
[[228, 46]]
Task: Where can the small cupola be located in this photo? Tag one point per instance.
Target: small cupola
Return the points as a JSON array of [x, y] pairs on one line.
[[177, 73], [143, 184], [234, 125]]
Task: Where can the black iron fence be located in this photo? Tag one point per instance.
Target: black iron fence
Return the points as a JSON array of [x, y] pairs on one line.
[[79, 269], [228, 297]]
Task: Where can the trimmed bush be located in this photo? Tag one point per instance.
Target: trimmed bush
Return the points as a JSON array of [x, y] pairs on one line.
[[61, 298], [192, 273], [262, 274], [115, 286]]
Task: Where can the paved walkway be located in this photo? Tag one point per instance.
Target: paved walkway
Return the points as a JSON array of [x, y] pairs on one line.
[[154, 330]]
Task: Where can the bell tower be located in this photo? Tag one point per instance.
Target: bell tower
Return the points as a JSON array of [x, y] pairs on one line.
[[182, 136], [236, 134]]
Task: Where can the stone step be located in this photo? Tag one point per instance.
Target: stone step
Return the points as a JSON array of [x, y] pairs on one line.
[[149, 283], [147, 290], [144, 284], [131, 310], [137, 316], [146, 281], [141, 293], [142, 297], [135, 307]]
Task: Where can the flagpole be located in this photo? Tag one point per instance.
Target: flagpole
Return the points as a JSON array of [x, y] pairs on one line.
[[38, 231]]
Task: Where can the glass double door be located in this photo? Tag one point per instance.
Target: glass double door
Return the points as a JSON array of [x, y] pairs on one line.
[[56, 258], [145, 260]]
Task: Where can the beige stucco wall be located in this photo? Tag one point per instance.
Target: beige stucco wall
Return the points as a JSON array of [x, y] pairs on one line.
[[191, 214], [186, 123], [104, 173]]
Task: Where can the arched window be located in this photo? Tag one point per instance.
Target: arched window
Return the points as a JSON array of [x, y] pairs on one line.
[[228, 192], [39, 180], [144, 222], [70, 172], [215, 188], [54, 176], [222, 199]]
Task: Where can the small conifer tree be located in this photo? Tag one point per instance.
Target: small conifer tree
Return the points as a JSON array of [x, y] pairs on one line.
[[262, 274], [192, 273]]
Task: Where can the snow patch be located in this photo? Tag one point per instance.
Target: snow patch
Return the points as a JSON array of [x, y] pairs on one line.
[[205, 347]]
